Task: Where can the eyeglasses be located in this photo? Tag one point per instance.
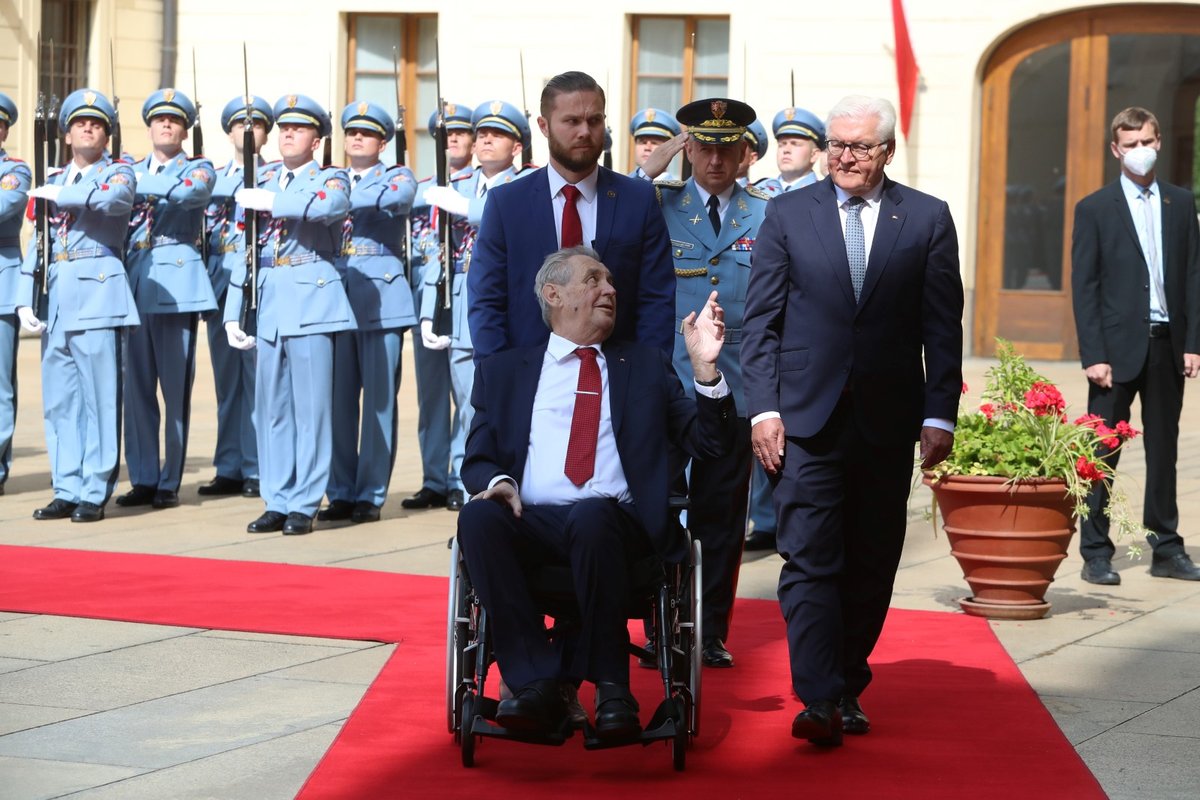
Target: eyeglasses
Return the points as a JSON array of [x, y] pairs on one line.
[[859, 150]]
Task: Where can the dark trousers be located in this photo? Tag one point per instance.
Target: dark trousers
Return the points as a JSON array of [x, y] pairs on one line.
[[718, 493], [598, 539], [842, 506], [1160, 384]]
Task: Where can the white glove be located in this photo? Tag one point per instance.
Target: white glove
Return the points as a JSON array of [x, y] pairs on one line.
[[255, 199], [431, 341], [449, 200], [48, 192], [237, 337], [29, 320]]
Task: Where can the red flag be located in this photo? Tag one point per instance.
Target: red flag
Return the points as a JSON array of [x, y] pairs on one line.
[[906, 67]]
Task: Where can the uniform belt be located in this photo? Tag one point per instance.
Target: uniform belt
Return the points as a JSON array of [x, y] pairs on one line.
[[368, 250], [1160, 330], [161, 241], [732, 335], [295, 261], [84, 252]]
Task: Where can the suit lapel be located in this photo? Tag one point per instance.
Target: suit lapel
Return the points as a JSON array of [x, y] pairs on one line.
[[529, 372], [606, 209], [735, 224], [695, 216], [1167, 215], [828, 226], [542, 207], [1118, 196], [618, 384], [888, 225]]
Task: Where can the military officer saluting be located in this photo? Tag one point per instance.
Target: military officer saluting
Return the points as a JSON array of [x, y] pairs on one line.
[[434, 387], [799, 140], [713, 223], [89, 302], [14, 183], [500, 130], [366, 364], [650, 128], [236, 455], [301, 303], [170, 284]]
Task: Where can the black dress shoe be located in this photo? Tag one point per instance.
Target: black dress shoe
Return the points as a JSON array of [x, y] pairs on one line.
[[364, 512], [250, 487], [760, 540], [220, 485], [426, 498], [714, 653], [165, 498], [854, 721], [1099, 570], [269, 522], [297, 524], [58, 509], [455, 500], [1177, 566], [87, 512], [535, 708], [616, 711], [336, 510], [820, 723], [137, 496]]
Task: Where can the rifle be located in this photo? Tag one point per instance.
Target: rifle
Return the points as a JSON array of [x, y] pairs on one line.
[[52, 131], [41, 267], [248, 316], [793, 88], [526, 152], [197, 152], [401, 152], [443, 323], [327, 155], [116, 101]]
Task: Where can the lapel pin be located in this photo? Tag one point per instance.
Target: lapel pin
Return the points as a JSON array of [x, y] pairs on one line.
[[611, 193], [895, 217]]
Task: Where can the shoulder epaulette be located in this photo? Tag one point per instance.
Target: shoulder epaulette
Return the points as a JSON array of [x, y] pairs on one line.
[[754, 191], [670, 184], [13, 159]]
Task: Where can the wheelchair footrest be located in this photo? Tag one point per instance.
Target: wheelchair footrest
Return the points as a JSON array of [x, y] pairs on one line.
[[663, 725], [480, 726]]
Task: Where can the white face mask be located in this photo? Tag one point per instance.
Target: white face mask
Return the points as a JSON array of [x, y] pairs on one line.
[[1140, 160]]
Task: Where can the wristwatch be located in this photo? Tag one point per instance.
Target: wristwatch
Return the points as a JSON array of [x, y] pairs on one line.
[[710, 384]]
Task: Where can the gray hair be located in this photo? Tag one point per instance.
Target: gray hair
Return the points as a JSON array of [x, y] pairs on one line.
[[858, 106], [556, 269]]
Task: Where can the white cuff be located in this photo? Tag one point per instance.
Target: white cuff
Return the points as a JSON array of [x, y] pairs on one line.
[[715, 392], [757, 418], [944, 424]]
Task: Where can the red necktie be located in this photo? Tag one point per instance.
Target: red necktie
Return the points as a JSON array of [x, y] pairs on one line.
[[572, 228], [585, 421]]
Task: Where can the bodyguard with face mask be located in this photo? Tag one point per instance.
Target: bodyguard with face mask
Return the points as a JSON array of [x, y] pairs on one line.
[[1135, 276]]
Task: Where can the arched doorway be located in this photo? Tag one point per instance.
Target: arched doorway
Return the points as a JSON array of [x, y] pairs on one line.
[[1050, 91]]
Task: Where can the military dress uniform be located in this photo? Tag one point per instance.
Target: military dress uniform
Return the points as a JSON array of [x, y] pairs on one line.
[[706, 260], [301, 303], [367, 361], [14, 183], [89, 302], [170, 284], [236, 454], [659, 124], [434, 387], [793, 121], [473, 185]]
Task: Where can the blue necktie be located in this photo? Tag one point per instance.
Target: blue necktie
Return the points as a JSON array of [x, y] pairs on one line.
[[856, 244]]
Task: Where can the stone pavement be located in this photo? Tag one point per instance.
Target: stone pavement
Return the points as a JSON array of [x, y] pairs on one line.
[[95, 709]]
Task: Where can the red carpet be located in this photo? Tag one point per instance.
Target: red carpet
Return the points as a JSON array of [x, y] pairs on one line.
[[952, 715]]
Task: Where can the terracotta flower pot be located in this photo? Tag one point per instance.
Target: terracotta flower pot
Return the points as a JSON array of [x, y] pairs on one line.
[[1008, 539]]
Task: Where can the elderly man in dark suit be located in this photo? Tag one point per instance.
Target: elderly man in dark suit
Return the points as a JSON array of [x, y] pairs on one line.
[[568, 457], [570, 202], [851, 352], [1135, 280]]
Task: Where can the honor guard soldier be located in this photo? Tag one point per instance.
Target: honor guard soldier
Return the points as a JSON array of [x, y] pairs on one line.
[[756, 139], [650, 128], [236, 455], [14, 183], [434, 387], [500, 130], [89, 302], [301, 303], [366, 363], [713, 223], [170, 284], [799, 141]]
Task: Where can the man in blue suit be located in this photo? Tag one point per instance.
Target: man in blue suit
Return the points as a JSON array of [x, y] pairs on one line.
[[89, 302], [851, 352], [572, 201], [170, 283], [570, 459], [301, 303], [14, 183]]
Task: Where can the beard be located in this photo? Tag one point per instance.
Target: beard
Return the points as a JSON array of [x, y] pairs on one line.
[[574, 160]]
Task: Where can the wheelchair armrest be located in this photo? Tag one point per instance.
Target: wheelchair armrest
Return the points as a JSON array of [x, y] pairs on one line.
[[678, 502]]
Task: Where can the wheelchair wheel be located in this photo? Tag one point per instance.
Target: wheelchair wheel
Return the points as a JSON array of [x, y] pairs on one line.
[[466, 738], [694, 595], [457, 636], [681, 740]]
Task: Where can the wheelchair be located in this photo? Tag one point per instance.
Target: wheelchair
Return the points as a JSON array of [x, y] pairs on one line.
[[668, 594]]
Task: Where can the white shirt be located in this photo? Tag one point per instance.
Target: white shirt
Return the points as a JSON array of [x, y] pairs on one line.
[[1133, 196], [284, 182], [585, 205], [722, 199]]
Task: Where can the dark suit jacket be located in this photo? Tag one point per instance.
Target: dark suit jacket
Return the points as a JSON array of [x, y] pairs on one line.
[[899, 349], [1111, 286], [518, 232], [649, 412]]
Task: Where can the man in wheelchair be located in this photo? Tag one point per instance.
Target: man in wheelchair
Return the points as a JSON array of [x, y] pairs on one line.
[[569, 460]]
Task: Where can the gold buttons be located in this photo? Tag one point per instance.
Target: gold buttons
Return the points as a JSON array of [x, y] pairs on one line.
[[714, 280], [320, 281], [715, 260], [679, 254], [100, 276], [387, 276]]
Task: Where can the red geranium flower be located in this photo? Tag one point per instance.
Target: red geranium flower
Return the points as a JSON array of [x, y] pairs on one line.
[[1088, 470], [1044, 399], [988, 410], [1127, 431]]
